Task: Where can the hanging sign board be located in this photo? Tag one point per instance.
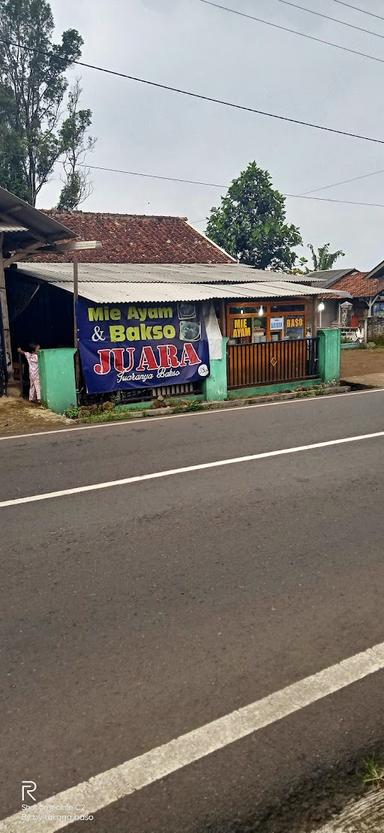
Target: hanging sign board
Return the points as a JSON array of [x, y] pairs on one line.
[[294, 327], [240, 328], [126, 346], [277, 324], [292, 323]]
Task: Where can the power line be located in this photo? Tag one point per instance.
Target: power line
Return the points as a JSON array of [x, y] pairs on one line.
[[343, 182], [292, 31], [329, 199], [216, 185], [329, 17], [237, 106], [211, 99], [358, 9], [153, 176]]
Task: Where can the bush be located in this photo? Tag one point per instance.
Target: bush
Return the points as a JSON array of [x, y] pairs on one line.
[[72, 413]]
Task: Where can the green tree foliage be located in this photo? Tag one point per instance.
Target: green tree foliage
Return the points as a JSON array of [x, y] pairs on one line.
[[323, 258], [32, 89], [251, 223], [12, 147], [77, 144]]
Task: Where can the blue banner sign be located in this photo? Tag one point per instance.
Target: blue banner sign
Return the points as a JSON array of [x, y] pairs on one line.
[[125, 346]]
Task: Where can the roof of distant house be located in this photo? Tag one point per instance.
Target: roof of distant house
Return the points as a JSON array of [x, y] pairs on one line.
[[359, 285], [377, 271], [328, 277], [133, 238]]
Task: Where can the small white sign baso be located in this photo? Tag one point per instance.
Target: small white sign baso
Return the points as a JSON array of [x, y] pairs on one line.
[[277, 323]]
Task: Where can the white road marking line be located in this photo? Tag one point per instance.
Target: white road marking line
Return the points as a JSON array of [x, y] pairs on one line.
[[123, 780], [126, 481], [210, 411]]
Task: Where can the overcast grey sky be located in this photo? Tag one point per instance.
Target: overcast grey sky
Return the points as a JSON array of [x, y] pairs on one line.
[[191, 45]]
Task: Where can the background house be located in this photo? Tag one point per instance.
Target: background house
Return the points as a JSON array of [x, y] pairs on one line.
[[365, 293], [376, 321]]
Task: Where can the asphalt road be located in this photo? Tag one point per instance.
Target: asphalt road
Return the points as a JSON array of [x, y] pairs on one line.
[[134, 614]]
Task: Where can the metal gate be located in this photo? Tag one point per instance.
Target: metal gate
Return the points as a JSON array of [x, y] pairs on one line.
[[271, 362]]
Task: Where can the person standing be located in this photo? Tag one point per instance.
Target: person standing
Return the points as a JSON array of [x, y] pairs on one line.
[[32, 358]]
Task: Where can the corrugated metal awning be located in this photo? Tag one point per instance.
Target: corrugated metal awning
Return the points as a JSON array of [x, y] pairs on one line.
[[22, 224], [104, 292], [161, 273]]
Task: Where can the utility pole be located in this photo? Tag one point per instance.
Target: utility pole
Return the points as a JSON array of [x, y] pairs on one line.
[[75, 334], [75, 297], [5, 318]]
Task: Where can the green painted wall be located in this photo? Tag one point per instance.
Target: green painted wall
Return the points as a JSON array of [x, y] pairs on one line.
[[58, 385], [215, 387], [57, 378], [329, 354]]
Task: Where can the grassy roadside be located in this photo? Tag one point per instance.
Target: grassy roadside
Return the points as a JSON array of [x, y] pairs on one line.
[[108, 412], [372, 772]]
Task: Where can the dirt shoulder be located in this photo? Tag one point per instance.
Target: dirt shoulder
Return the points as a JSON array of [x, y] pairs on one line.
[[17, 416], [362, 362]]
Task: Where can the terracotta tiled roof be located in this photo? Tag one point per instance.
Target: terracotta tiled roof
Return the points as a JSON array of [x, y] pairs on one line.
[[358, 285], [131, 238]]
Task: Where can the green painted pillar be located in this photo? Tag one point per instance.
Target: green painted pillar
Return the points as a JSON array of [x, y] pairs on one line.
[[57, 378], [215, 385], [329, 354]]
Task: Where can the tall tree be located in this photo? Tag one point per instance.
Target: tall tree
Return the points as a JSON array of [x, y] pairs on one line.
[[12, 147], [32, 89], [251, 223], [323, 258], [77, 144]]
